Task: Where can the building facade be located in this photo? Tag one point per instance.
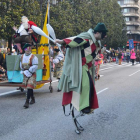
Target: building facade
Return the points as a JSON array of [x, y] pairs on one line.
[[131, 12]]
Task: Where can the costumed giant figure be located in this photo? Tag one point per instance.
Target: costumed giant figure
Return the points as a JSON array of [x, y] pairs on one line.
[[23, 34], [77, 80]]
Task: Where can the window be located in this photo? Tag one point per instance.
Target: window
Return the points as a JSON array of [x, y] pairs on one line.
[[129, 1], [119, 2], [131, 28], [127, 19]]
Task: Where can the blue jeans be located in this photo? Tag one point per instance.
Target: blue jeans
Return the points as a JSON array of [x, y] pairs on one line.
[[117, 60], [128, 59]]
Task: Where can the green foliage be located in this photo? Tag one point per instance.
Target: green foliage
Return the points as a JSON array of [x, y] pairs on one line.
[[11, 13], [67, 17], [72, 17]]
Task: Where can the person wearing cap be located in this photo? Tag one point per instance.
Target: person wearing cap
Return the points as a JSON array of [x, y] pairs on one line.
[[29, 65], [58, 59], [77, 80]]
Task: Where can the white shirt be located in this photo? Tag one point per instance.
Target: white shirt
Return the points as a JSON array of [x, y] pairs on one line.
[[22, 31], [58, 58], [34, 66]]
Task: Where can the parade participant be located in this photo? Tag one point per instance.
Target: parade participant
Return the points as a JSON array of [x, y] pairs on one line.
[[120, 57], [58, 59], [113, 55], [105, 57], [133, 56], [77, 80], [116, 54], [29, 65], [24, 32], [98, 62], [138, 56], [128, 55]]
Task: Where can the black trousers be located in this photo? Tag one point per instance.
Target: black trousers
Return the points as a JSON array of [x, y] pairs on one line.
[[133, 61], [30, 93]]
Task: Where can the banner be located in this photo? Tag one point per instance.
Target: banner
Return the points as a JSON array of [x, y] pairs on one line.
[[131, 44]]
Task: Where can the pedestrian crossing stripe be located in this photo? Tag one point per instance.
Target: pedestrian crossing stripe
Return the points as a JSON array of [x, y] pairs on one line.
[[123, 64]]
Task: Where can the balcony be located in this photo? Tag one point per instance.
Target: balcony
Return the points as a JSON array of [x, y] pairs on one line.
[[131, 14], [135, 23], [136, 0], [136, 6], [129, 32]]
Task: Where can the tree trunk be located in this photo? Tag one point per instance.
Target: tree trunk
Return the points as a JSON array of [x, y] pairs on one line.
[[10, 43]]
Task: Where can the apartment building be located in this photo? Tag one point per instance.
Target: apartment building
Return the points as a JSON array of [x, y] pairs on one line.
[[131, 12]]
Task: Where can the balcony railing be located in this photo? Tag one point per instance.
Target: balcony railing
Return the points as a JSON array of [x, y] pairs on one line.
[[130, 14], [130, 6], [133, 32], [135, 23]]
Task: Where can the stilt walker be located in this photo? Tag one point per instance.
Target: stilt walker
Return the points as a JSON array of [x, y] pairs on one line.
[[77, 80]]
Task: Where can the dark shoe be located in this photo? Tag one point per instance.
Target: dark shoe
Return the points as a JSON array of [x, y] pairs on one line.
[[86, 110], [98, 76], [26, 105], [32, 100], [58, 90]]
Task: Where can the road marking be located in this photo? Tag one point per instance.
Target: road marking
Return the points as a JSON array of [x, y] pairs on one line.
[[5, 93], [123, 64], [102, 90], [126, 64], [51, 82], [106, 68], [13, 91], [134, 73], [103, 65]]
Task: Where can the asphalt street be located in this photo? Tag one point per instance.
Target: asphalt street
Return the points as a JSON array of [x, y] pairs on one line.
[[117, 118]]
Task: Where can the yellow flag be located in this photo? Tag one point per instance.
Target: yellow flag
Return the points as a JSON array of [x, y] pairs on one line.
[[45, 50]]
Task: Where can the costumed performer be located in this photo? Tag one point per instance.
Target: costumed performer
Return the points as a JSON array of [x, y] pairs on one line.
[[77, 80], [29, 65], [58, 59], [98, 62], [24, 32]]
